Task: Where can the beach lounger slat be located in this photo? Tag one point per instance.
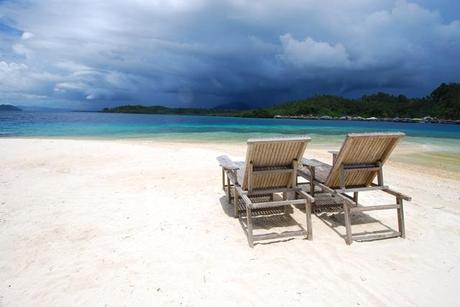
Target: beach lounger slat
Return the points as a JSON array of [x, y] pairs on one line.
[[362, 149]]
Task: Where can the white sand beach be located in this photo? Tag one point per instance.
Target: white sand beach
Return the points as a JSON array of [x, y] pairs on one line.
[[143, 223]]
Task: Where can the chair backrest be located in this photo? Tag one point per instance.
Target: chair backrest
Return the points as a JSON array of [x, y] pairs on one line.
[[272, 162], [361, 158]]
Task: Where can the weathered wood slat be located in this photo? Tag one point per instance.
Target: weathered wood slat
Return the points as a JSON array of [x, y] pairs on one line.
[[377, 134], [282, 235], [249, 171], [372, 208], [369, 148], [266, 156], [400, 212], [307, 196], [397, 194], [277, 203], [356, 167], [343, 197], [363, 189], [313, 162], [373, 237], [272, 171], [293, 174], [308, 221], [347, 217], [223, 178], [334, 155], [246, 200], [275, 190], [297, 138], [232, 177], [320, 169]]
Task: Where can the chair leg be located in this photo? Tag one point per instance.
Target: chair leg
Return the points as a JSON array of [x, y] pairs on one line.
[[235, 203], [308, 218], [223, 178], [229, 191], [286, 208], [249, 221], [400, 210], [346, 213], [355, 197]]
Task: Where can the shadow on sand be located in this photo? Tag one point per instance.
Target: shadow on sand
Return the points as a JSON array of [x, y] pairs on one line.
[[266, 220]]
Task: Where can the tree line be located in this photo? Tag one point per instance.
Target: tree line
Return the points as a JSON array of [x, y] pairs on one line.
[[442, 103]]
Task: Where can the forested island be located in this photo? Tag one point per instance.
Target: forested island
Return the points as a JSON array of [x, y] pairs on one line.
[[9, 107], [443, 104]]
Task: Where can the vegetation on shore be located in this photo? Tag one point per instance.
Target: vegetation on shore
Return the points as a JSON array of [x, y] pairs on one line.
[[9, 107], [442, 103], [165, 110]]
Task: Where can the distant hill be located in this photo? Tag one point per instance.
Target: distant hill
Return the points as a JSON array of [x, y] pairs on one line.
[[43, 109], [442, 103], [9, 107], [165, 110], [446, 100], [233, 106]]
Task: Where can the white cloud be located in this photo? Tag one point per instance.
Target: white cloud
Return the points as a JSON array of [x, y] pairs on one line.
[[12, 76], [21, 50], [27, 35], [311, 54]]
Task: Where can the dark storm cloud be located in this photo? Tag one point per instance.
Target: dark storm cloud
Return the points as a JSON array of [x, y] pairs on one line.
[[204, 53]]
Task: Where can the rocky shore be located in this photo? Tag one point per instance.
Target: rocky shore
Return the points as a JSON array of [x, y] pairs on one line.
[[425, 120]]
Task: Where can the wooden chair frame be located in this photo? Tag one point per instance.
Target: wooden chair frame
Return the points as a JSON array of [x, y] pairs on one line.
[[350, 204], [230, 184]]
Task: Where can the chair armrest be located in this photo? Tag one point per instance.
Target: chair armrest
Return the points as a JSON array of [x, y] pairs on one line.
[[334, 155], [311, 163], [306, 196], [227, 163], [397, 194]]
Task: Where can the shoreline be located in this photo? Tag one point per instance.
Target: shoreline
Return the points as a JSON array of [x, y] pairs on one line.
[[408, 155], [425, 120], [404, 120]]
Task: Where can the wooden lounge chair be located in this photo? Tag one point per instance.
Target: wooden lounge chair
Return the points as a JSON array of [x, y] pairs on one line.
[[353, 170], [270, 167]]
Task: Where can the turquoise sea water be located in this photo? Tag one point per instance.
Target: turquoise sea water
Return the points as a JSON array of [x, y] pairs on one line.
[[426, 144], [202, 128]]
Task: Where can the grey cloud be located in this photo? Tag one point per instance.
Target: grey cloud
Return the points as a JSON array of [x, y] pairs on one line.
[[203, 53]]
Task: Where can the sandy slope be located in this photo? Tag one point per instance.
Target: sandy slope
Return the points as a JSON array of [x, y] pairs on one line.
[[113, 223]]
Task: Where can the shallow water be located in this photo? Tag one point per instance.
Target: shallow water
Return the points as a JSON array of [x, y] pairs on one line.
[[113, 125], [425, 144]]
